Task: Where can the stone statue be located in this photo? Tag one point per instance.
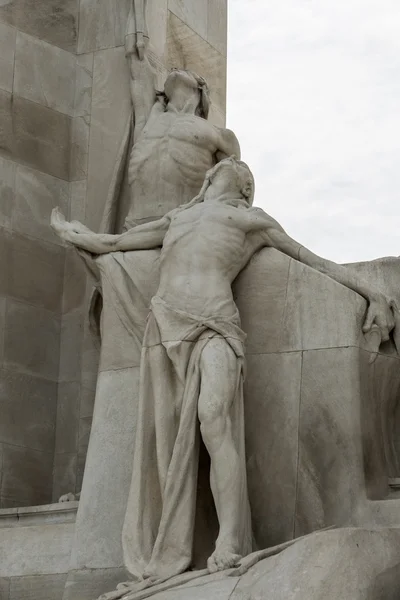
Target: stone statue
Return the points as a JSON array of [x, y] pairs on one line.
[[192, 367], [173, 143]]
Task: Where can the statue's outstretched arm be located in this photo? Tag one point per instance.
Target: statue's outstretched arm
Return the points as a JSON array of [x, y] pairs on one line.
[[380, 309], [141, 237]]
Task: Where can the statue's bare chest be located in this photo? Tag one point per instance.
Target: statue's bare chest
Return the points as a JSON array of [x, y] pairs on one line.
[[173, 128]]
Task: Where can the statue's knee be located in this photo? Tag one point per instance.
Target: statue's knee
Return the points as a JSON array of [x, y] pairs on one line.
[[212, 423]]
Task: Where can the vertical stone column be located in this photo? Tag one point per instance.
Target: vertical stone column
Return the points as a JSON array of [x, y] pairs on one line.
[[37, 109]]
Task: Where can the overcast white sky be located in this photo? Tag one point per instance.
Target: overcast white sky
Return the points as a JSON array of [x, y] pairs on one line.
[[314, 98]]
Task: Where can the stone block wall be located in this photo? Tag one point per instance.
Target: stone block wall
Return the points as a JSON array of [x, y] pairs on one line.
[[64, 103], [37, 111]]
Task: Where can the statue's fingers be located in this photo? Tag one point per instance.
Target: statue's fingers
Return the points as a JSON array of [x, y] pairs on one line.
[[391, 321], [384, 327], [369, 319]]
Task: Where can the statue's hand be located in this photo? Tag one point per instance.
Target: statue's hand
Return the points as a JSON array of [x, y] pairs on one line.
[[381, 314], [58, 222], [65, 230]]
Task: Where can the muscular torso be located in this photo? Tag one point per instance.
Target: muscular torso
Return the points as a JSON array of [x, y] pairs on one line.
[[204, 249], [169, 161]]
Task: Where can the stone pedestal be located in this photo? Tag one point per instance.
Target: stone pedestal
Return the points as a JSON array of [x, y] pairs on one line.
[[315, 413]]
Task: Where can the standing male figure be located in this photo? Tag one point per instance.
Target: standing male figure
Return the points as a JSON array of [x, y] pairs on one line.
[[173, 142], [192, 366]]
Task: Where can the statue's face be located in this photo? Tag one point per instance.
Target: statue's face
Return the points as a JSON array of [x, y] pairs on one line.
[[229, 174], [179, 78], [223, 176]]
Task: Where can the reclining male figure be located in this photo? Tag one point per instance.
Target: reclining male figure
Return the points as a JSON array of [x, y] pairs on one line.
[[204, 245]]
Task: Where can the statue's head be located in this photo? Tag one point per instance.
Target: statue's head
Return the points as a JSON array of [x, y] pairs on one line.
[[191, 82], [237, 172]]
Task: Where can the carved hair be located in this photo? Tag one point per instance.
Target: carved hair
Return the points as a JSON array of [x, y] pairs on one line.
[[203, 107], [245, 181], [244, 175]]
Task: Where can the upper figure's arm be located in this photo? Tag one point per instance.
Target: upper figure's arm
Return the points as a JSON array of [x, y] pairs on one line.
[[142, 87], [228, 145]]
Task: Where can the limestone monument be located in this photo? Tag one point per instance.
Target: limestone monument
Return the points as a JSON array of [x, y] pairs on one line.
[[236, 435], [192, 367]]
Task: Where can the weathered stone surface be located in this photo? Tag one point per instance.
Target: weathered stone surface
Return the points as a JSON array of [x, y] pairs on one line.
[[192, 12], [78, 200], [85, 425], [35, 550], [83, 85], [383, 272], [7, 53], [272, 402], [330, 443], [36, 135], [71, 346], [216, 117], [306, 326], [64, 474], [4, 588], [80, 130], [86, 584], [5, 260], [90, 358], [187, 50], [67, 418], [27, 479], [56, 23], [353, 564], [118, 350], [32, 340], [98, 540], [36, 194], [36, 272], [2, 327], [87, 402], [7, 139], [45, 514], [102, 24], [217, 27], [74, 282], [380, 426], [44, 74], [221, 589], [261, 289], [157, 19], [110, 89], [28, 411], [45, 587], [7, 193]]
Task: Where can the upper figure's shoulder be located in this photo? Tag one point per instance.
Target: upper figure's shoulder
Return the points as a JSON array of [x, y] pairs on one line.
[[229, 143]]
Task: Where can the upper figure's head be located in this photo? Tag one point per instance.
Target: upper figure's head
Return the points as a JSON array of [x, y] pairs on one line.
[[232, 175], [188, 83]]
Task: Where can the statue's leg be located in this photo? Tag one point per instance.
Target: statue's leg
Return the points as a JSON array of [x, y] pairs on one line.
[[218, 368]]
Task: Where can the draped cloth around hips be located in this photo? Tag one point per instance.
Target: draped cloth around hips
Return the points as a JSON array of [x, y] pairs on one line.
[[160, 516]]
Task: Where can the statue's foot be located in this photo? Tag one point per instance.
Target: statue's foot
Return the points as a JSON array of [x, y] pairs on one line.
[[222, 559]]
